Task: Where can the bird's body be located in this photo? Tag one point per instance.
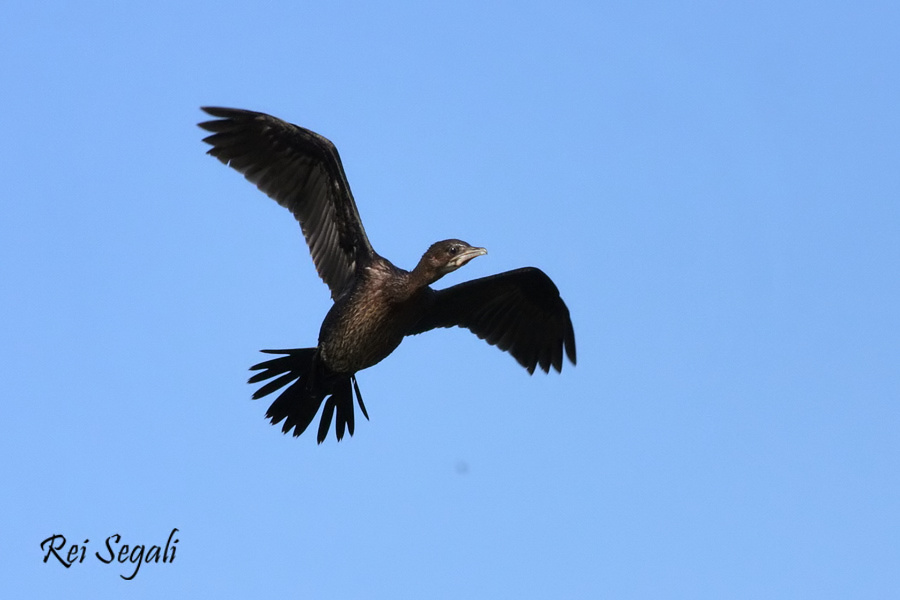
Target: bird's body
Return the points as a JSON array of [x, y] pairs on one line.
[[368, 322], [376, 304]]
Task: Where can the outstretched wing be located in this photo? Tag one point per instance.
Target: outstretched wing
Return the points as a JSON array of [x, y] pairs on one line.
[[302, 171], [518, 311]]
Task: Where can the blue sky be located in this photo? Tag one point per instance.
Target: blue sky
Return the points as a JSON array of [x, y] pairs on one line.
[[713, 187]]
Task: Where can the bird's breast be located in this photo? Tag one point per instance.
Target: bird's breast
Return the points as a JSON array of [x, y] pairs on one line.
[[365, 327]]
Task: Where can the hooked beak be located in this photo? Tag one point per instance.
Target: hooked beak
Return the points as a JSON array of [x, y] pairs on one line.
[[465, 256]]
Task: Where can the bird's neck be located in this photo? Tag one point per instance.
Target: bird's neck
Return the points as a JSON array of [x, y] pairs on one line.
[[424, 274]]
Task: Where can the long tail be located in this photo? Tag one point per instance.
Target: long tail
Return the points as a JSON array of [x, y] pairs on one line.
[[312, 383]]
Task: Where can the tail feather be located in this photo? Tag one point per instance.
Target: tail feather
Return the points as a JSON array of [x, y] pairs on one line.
[[325, 423], [312, 383], [297, 406], [273, 385], [343, 397], [293, 360]]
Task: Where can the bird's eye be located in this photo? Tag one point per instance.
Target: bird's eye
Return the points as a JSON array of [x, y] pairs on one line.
[[453, 249]]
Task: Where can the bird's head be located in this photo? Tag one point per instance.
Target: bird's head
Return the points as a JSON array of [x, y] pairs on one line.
[[445, 257]]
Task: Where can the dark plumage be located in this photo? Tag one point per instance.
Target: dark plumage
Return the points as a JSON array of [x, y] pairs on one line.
[[375, 303]]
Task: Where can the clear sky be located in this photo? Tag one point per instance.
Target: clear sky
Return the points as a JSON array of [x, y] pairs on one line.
[[714, 187]]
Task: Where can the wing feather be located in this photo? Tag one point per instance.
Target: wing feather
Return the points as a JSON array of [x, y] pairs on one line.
[[302, 171], [518, 311]]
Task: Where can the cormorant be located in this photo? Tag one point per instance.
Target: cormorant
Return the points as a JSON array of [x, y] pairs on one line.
[[375, 303]]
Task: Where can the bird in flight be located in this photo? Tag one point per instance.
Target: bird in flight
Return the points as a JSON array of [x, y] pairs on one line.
[[376, 304]]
